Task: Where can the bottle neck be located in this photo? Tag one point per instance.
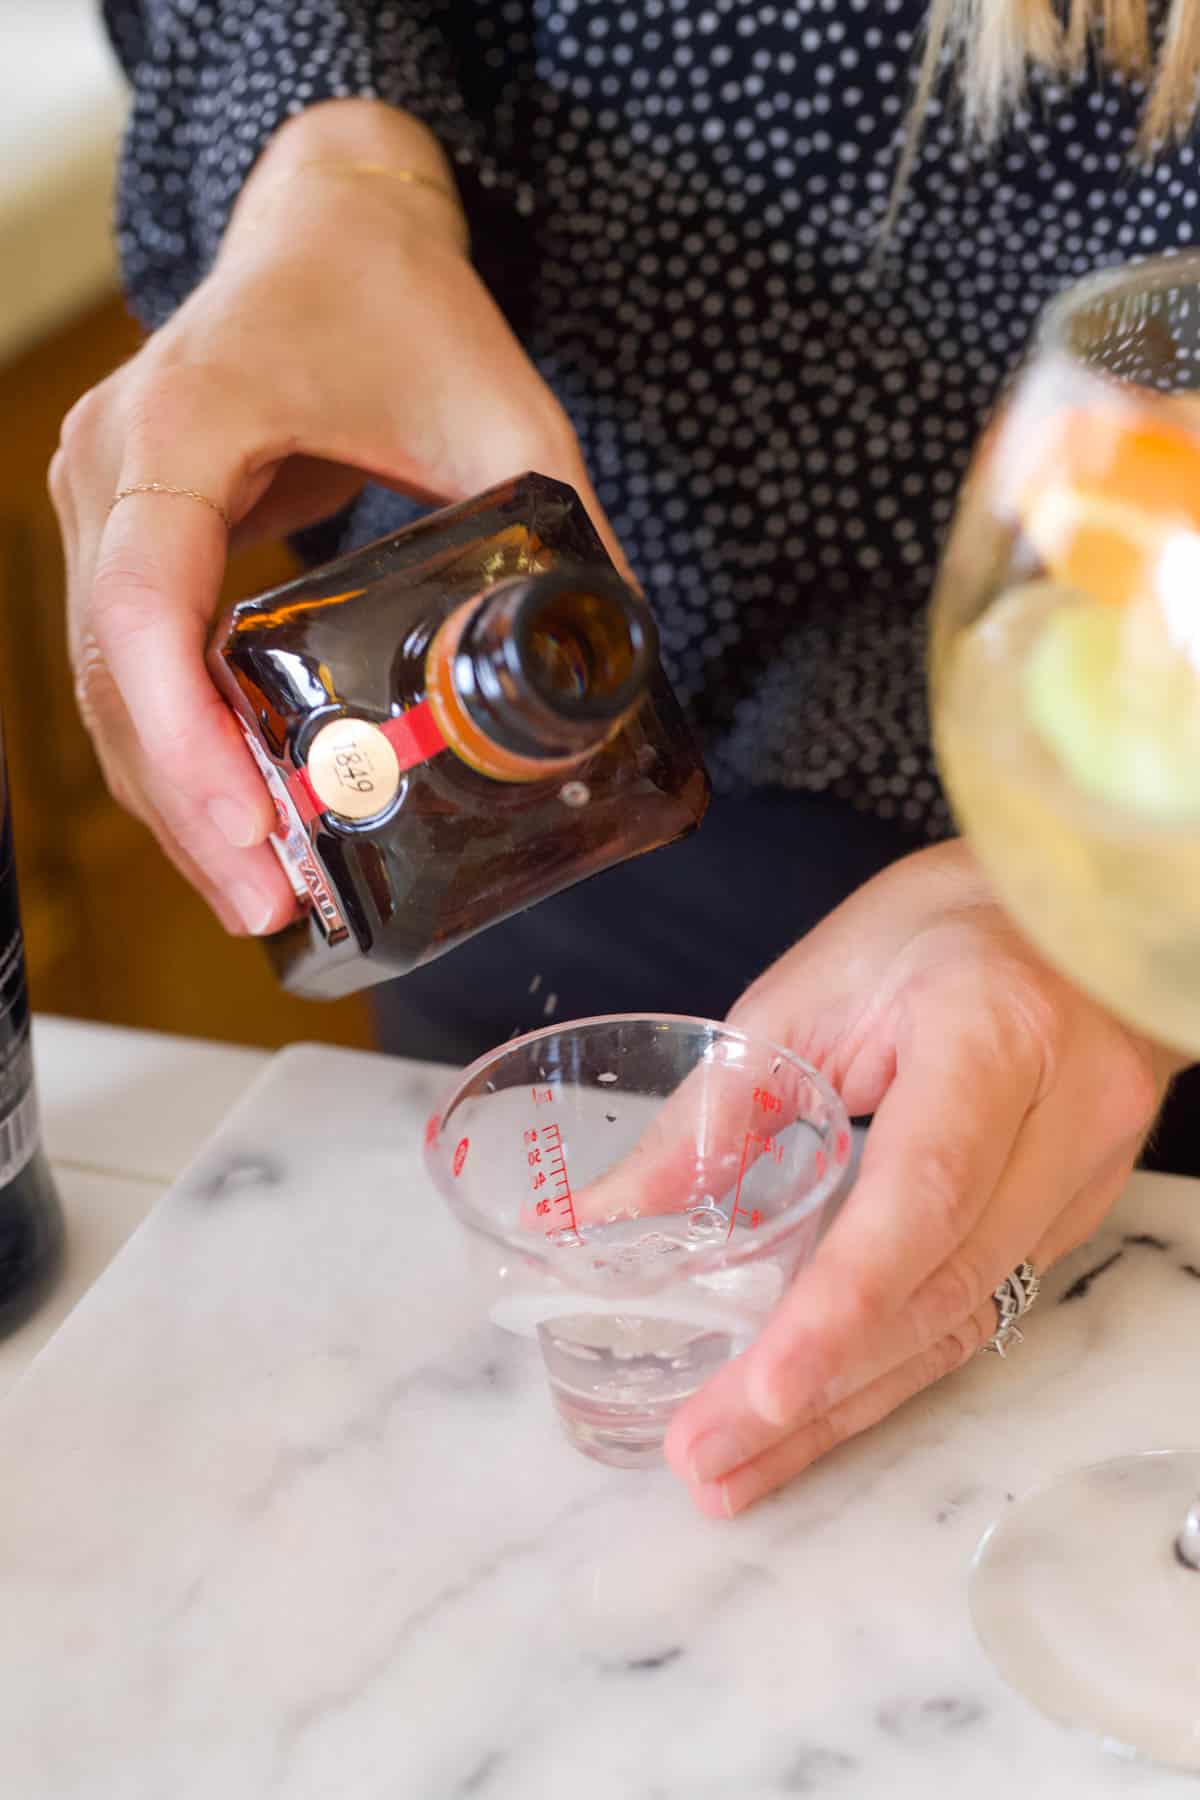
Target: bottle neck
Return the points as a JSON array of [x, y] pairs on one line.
[[541, 671]]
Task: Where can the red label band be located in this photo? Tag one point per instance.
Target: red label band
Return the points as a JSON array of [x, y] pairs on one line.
[[301, 794], [414, 735], [291, 844]]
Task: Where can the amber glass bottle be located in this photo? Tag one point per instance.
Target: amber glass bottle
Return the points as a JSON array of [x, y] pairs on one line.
[[455, 722]]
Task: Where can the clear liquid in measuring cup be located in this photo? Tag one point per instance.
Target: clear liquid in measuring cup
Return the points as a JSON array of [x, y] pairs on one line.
[[617, 1378]]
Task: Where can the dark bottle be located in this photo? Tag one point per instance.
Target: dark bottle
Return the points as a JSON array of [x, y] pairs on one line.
[[455, 722], [31, 1225]]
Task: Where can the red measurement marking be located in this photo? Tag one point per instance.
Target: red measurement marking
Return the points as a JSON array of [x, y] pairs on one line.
[[819, 1162], [460, 1155], [841, 1149], [432, 1127], [737, 1192], [767, 1100], [766, 1146], [542, 1096], [548, 1166]]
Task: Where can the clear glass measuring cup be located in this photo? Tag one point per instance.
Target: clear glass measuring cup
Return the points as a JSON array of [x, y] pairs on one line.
[[637, 1190]]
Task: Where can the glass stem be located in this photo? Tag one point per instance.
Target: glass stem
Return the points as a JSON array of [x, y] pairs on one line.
[[1187, 1544]]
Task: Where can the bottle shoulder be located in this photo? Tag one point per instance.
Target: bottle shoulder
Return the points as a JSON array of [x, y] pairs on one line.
[[355, 633]]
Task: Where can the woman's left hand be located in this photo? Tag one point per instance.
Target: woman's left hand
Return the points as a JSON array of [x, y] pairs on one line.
[[1009, 1110]]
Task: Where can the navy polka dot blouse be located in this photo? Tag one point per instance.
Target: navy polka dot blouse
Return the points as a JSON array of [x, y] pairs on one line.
[[676, 202]]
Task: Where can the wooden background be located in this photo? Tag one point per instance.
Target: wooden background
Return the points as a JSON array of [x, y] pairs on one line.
[[112, 932]]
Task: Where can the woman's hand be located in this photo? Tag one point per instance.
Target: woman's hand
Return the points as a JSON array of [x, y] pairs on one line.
[[1009, 1110], [341, 333]]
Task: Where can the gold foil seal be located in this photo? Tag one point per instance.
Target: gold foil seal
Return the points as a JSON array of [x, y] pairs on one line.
[[353, 769]]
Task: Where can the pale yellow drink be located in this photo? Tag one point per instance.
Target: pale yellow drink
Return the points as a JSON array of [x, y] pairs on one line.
[[1107, 891]]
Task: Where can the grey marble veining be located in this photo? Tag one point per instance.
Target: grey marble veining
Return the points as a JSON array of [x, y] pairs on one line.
[[122, 1112], [281, 1516]]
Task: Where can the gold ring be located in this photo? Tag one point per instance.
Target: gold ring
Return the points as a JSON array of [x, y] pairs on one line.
[[182, 493], [408, 177]]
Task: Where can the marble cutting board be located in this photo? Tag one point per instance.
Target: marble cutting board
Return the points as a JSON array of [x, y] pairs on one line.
[[279, 1516]]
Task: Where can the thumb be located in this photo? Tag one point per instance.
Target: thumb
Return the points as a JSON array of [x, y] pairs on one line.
[[541, 440], [833, 997], [565, 463], [466, 407]]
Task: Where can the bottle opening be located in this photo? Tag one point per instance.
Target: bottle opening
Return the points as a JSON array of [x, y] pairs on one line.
[[547, 666], [582, 653], [582, 643]]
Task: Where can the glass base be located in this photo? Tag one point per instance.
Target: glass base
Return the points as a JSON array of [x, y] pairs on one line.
[[617, 1379], [1080, 1596], [623, 1443]]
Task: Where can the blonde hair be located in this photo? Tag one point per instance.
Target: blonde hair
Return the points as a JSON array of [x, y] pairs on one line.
[[993, 44]]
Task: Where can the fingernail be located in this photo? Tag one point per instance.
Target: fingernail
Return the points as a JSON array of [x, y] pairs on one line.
[[237, 824], [715, 1454], [842, 1387], [229, 917], [255, 908], [762, 1394], [712, 1499]]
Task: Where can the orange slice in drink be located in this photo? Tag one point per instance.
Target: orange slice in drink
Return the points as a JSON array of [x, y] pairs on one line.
[[1109, 491]]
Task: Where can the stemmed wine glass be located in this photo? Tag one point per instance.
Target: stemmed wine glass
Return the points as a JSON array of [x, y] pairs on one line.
[[1065, 688]]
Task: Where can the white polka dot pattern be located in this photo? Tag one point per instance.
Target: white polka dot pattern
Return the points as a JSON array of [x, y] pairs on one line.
[[676, 201]]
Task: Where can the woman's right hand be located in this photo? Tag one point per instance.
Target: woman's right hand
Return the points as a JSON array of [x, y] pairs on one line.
[[341, 334]]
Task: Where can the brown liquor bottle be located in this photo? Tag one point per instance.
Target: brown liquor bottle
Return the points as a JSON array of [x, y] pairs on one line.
[[455, 722]]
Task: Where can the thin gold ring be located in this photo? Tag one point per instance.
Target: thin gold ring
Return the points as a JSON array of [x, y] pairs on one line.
[[181, 493], [405, 177], [408, 177]]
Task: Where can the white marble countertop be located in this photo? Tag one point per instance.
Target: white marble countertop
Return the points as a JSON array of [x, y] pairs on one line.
[[62, 106], [280, 1517], [123, 1112]]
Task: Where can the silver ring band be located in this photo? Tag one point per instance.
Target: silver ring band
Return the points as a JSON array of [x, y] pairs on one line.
[[1014, 1297]]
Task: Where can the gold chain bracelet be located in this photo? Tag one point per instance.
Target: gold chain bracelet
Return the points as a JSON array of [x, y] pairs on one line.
[[406, 177]]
